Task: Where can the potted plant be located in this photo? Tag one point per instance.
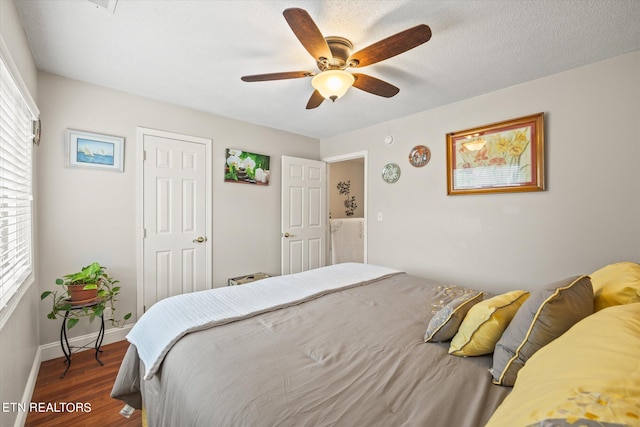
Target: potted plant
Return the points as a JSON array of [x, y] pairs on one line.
[[85, 293]]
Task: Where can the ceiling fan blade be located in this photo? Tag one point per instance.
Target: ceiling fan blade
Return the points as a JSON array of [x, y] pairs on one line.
[[307, 32], [374, 85], [276, 76], [392, 46], [315, 100]]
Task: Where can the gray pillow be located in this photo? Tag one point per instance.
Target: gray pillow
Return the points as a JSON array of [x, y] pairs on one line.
[[547, 314], [445, 323]]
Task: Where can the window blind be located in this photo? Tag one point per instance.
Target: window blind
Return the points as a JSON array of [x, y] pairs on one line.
[[16, 197]]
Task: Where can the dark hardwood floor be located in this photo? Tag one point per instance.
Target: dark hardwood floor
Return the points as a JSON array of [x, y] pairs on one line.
[[86, 382]]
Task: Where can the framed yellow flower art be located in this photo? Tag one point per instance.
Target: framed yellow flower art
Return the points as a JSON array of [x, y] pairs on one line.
[[496, 158]]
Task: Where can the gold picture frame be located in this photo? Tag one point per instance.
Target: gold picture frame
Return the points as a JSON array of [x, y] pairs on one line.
[[498, 158]]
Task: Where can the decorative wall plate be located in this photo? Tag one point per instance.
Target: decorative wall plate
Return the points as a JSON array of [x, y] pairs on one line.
[[391, 173], [419, 156]]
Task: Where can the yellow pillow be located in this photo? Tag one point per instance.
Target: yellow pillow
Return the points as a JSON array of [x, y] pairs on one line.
[[484, 324], [588, 376], [616, 284]]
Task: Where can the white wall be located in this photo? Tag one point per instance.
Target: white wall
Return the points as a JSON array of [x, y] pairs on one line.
[[588, 217], [19, 334], [88, 215], [16, 40]]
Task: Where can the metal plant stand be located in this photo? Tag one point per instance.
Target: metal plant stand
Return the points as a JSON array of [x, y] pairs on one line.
[[68, 349]]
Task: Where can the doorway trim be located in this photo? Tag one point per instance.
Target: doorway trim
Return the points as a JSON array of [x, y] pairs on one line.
[[341, 158], [140, 233]]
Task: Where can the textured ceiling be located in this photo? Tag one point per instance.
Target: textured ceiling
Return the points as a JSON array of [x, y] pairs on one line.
[[193, 52]]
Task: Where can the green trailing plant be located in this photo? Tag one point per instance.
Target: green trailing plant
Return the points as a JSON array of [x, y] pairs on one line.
[[92, 276]]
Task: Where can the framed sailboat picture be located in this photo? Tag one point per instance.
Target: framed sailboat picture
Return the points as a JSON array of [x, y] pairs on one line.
[[94, 150]]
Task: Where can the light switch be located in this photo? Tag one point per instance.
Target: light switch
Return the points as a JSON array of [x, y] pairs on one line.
[[379, 216]]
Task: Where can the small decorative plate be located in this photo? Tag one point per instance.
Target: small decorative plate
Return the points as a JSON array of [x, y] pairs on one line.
[[419, 156], [391, 173]]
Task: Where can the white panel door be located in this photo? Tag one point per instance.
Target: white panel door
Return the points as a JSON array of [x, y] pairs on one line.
[[176, 247], [304, 220]]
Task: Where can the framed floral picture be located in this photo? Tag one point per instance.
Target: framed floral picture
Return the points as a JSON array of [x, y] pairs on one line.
[[245, 167], [500, 157]]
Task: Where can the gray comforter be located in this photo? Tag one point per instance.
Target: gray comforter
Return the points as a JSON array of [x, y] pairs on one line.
[[355, 357]]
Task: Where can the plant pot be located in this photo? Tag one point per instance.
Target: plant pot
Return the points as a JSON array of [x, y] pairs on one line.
[[78, 293]]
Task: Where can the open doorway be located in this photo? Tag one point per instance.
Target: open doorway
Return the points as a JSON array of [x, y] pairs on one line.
[[347, 208]]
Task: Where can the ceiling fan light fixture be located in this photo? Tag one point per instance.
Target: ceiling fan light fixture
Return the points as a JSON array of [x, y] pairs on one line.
[[332, 84]]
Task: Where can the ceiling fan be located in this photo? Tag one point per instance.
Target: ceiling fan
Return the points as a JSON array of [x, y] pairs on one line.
[[333, 55]]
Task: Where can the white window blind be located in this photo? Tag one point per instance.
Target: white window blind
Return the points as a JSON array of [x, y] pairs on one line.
[[16, 259]]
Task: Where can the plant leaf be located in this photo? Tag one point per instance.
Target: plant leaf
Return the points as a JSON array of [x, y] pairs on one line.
[[72, 322], [45, 294]]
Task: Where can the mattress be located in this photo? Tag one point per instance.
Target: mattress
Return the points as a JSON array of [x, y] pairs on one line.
[[352, 356]]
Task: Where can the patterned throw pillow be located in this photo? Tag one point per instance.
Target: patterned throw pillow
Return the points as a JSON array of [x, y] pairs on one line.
[[445, 323]]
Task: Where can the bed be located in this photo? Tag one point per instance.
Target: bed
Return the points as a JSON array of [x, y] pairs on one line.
[[348, 349]]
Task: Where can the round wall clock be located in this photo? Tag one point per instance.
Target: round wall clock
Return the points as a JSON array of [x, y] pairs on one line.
[[391, 173], [419, 156]]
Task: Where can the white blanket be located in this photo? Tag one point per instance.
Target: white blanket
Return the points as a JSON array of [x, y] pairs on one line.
[[170, 319]]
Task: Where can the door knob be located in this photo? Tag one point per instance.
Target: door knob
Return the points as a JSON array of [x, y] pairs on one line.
[[200, 240], [288, 235]]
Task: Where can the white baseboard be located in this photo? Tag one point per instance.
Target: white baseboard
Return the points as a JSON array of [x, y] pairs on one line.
[[21, 418], [53, 350]]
